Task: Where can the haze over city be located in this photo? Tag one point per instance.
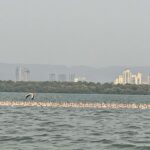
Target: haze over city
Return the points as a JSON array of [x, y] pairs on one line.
[[94, 33]]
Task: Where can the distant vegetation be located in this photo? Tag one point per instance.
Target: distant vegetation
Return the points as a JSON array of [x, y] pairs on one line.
[[71, 87]]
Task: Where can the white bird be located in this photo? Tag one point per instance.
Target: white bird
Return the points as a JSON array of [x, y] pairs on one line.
[[30, 95]]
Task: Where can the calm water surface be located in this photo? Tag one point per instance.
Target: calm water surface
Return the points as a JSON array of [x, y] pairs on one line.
[[43, 128]]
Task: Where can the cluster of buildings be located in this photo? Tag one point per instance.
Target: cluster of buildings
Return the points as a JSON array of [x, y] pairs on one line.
[[23, 74], [127, 77], [66, 78]]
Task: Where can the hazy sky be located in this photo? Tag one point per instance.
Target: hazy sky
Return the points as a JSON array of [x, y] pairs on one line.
[[75, 32]]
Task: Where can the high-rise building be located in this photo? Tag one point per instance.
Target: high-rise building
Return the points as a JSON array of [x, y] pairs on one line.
[[127, 76], [22, 74], [52, 77], [119, 80], [71, 77], [148, 79], [62, 77], [138, 78]]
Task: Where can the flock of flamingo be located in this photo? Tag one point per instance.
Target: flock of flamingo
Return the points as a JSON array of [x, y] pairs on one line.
[[75, 105], [32, 103]]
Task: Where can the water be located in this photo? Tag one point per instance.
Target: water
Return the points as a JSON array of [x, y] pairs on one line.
[[44, 128]]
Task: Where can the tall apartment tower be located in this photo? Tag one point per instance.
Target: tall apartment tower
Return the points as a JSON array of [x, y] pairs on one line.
[[148, 79], [22, 74], [62, 78], [71, 77], [127, 76], [52, 77]]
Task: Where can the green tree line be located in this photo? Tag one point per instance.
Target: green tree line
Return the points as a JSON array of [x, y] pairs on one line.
[[71, 87]]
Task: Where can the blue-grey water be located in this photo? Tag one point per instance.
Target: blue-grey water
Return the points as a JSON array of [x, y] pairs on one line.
[[45, 128]]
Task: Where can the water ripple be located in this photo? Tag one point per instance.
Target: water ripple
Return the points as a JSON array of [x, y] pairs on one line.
[[65, 128]]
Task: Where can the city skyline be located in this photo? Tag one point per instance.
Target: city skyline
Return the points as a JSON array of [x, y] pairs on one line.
[[127, 76]]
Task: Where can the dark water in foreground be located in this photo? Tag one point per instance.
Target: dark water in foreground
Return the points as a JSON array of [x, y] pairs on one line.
[[43, 128]]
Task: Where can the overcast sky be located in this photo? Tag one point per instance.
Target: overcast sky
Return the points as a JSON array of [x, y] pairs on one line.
[[75, 32]]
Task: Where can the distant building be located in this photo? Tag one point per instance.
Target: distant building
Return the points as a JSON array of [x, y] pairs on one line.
[[128, 78], [148, 79], [22, 74], [71, 77], [80, 79], [136, 79], [119, 80], [62, 77], [52, 77]]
